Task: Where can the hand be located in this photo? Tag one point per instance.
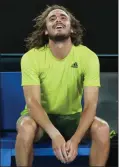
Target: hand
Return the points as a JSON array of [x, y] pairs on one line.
[[59, 147], [72, 150]]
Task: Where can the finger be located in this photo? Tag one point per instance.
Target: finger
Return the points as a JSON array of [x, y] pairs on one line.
[[68, 146], [60, 156], [70, 155], [74, 157], [55, 152], [64, 153], [74, 154], [70, 152]]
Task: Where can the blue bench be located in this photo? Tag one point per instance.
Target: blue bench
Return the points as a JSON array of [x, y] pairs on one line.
[[11, 104]]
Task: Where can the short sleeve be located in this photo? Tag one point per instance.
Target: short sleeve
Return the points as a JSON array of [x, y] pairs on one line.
[[29, 72], [92, 71]]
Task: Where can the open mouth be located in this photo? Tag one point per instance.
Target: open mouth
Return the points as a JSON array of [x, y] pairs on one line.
[[59, 26]]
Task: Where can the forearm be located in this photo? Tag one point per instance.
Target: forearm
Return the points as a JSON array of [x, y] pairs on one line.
[[86, 119], [38, 113]]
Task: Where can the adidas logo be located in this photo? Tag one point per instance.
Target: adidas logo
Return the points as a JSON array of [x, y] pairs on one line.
[[74, 65]]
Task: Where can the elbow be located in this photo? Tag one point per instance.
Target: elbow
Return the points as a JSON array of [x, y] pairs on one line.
[[29, 101], [91, 104], [32, 103], [91, 108]]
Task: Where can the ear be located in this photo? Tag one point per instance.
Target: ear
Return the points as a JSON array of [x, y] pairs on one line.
[[46, 32]]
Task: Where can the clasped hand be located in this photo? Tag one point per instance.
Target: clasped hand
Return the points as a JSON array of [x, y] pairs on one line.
[[66, 152]]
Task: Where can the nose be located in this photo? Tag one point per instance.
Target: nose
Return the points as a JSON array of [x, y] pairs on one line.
[[58, 19]]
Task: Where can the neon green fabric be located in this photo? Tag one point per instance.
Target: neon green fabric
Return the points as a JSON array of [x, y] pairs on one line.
[[61, 81]]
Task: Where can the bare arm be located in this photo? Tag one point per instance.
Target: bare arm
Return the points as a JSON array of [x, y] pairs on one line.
[[90, 105], [37, 112], [31, 87]]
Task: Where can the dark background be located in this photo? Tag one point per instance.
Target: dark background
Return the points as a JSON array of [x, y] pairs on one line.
[[98, 17]]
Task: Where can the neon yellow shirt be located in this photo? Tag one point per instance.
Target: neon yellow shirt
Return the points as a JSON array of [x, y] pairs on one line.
[[61, 81]]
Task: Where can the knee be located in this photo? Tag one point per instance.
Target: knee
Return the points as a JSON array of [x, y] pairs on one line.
[[100, 131], [26, 131]]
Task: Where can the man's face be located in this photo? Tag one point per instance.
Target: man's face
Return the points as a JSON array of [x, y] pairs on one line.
[[58, 25]]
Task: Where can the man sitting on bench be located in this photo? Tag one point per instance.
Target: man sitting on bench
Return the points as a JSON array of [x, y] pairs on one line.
[[56, 71]]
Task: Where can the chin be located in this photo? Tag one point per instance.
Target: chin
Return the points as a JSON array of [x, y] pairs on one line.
[[59, 36]]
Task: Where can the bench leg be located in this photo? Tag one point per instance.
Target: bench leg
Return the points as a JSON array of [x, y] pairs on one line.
[[5, 157]]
